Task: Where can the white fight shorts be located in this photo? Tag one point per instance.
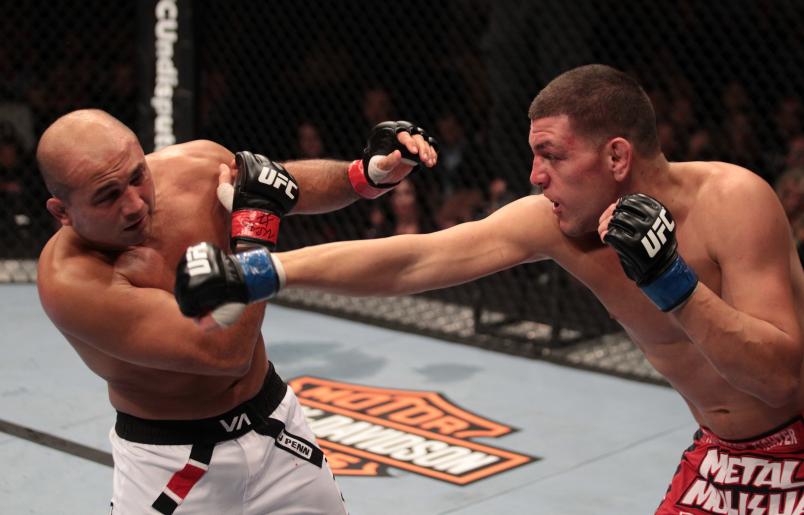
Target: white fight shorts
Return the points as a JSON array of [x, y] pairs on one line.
[[258, 458]]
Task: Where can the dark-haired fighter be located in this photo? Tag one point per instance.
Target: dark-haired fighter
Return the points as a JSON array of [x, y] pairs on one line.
[[694, 259]]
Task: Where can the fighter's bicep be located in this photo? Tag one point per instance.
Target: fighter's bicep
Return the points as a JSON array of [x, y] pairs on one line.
[[523, 229], [753, 252], [507, 237], [142, 326]]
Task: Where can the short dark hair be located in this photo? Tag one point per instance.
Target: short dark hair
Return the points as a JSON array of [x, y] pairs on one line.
[[601, 103]]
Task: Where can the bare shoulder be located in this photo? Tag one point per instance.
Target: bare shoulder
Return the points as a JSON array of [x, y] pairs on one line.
[[65, 272], [725, 185], [199, 157], [528, 221], [534, 207], [734, 204], [196, 149]]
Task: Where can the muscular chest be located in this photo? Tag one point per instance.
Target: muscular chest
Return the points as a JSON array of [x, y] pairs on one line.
[[180, 220], [601, 272]]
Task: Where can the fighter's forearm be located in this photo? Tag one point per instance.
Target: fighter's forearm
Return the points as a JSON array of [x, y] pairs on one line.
[[370, 267], [403, 264], [324, 185], [396, 265], [752, 354]]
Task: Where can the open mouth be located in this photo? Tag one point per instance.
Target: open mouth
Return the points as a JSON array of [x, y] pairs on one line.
[[136, 225]]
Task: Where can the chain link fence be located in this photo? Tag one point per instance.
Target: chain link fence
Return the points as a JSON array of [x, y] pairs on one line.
[[296, 80], [54, 57]]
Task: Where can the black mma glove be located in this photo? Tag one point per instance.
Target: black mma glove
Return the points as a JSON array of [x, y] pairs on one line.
[[264, 191], [368, 180], [212, 284], [642, 232]]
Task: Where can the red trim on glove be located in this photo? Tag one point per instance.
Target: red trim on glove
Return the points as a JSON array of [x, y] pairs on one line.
[[357, 177], [255, 224]]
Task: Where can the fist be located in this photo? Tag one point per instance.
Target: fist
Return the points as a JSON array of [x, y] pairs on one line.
[[206, 278], [642, 232], [393, 150], [264, 191], [218, 286]]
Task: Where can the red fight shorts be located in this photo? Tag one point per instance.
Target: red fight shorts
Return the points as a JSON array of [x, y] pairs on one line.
[[759, 476]]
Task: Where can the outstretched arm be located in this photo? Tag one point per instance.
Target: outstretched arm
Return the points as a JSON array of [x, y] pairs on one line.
[[520, 232], [393, 150], [413, 263], [324, 183]]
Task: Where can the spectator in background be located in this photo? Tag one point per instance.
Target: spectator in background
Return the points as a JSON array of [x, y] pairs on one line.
[[212, 98], [735, 99], [461, 206], [20, 196], [378, 106], [661, 103], [399, 212], [787, 126], [378, 225], [741, 145], [669, 141], [701, 146], [680, 110], [790, 189], [11, 172], [14, 85], [682, 117], [452, 151], [462, 176], [788, 118], [795, 152], [499, 195], [798, 234], [122, 91], [309, 144], [405, 209]]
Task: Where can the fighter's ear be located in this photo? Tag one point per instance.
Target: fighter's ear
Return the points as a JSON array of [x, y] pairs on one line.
[[58, 210], [619, 153]]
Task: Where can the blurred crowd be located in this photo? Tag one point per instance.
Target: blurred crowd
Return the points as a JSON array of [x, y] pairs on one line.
[[47, 69], [465, 185], [471, 90]]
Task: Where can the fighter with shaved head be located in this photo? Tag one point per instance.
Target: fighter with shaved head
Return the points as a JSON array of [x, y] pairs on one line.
[[204, 423]]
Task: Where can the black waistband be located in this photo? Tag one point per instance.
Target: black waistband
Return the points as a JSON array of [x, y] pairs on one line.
[[250, 415]]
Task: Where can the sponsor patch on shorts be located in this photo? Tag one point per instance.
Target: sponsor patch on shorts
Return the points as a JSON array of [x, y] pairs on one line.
[[744, 484], [295, 445], [365, 430]]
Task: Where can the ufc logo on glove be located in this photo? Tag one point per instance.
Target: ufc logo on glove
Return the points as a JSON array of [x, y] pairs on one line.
[[270, 177], [197, 260], [655, 238]]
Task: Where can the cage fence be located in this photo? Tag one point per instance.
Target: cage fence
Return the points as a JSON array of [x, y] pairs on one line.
[[303, 80]]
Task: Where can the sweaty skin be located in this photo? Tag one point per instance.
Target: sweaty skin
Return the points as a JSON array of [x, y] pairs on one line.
[[733, 350], [117, 310], [106, 277]]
